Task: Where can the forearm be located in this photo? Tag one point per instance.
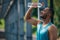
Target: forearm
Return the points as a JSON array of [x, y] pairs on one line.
[[28, 13]]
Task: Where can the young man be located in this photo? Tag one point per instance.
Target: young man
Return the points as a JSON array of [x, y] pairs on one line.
[[46, 30]]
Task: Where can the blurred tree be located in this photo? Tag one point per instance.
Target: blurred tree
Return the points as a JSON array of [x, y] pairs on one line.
[[0, 22]]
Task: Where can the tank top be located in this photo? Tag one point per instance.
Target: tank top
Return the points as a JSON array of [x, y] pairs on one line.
[[42, 32]]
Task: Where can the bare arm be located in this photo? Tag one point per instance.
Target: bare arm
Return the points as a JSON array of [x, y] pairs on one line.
[[29, 18], [27, 15], [52, 33]]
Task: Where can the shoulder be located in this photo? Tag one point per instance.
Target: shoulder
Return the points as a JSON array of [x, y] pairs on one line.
[[52, 32], [52, 28]]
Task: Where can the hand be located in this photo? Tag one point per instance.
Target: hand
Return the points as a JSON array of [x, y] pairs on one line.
[[35, 5]]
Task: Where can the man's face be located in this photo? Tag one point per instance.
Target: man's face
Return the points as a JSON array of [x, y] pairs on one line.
[[44, 13]]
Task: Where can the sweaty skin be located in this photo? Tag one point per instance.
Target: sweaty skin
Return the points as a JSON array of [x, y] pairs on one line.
[[52, 30]]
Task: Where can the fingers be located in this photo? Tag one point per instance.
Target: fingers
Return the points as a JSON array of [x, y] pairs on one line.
[[34, 5]]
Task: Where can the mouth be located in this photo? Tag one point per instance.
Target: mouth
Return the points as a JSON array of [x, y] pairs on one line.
[[43, 16]]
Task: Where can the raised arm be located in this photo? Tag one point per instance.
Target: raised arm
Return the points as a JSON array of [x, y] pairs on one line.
[[29, 18]]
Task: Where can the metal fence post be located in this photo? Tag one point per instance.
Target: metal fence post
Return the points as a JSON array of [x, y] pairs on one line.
[[21, 11], [28, 25]]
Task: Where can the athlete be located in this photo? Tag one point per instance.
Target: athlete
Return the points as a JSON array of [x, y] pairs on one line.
[[45, 30]]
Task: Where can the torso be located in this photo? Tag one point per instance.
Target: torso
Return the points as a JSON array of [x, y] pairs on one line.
[[42, 32]]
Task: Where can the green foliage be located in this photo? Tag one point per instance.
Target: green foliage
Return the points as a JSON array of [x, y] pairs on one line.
[[34, 28], [2, 24], [34, 12], [34, 0], [57, 15]]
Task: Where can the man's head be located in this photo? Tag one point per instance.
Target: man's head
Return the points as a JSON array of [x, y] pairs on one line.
[[46, 13]]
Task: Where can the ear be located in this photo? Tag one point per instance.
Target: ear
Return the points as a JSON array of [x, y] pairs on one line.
[[50, 14]]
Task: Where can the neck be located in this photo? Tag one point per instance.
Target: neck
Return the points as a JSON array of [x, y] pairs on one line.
[[46, 21]]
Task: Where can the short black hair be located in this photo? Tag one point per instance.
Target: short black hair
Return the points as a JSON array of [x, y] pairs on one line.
[[51, 11]]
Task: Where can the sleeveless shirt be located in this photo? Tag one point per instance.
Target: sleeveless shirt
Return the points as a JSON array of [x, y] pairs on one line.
[[42, 32]]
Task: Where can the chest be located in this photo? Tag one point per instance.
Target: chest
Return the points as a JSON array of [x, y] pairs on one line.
[[42, 30]]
